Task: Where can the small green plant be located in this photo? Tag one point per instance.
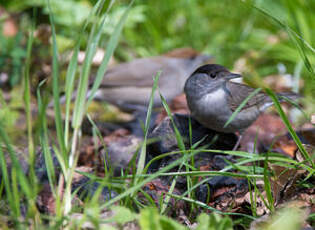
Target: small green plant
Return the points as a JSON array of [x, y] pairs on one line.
[[286, 218], [12, 55]]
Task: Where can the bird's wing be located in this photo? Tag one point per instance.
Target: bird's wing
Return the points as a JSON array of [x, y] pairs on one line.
[[239, 92], [139, 72], [126, 95]]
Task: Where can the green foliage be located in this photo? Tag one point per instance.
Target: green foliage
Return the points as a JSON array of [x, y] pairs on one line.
[[135, 16], [70, 13], [229, 30], [8, 116], [254, 32], [214, 222], [12, 55], [69, 16], [151, 220], [123, 215], [262, 33], [9, 113], [287, 218]]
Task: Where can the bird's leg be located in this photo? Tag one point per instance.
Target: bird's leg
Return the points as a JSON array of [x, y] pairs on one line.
[[238, 141]]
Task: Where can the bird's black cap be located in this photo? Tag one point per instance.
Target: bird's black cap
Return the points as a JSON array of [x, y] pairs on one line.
[[210, 68]]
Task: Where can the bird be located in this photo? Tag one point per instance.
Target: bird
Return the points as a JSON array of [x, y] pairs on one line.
[[212, 99], [129, 85]]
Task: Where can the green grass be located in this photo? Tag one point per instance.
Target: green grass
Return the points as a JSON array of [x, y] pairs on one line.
[[229, 30]]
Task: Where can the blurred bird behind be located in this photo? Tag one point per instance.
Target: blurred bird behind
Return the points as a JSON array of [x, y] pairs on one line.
[[128, 85]]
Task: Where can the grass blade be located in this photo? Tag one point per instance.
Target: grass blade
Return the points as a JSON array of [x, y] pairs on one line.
[[239, 108], [268, 185], [6, 180], [299, 39], [150, 177], [28, 111], [113, 41], [43, 139], [289, 127], [182, 148], [56, 91], [27, 95], [141, 161], [70, 76], [71, 70], [80, 102]]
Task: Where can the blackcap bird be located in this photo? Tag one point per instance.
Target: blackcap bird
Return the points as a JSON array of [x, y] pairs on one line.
[[129, 85], [212, 98]]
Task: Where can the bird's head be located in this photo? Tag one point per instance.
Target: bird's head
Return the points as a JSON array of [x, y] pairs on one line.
[[208, 78], [214, 72]]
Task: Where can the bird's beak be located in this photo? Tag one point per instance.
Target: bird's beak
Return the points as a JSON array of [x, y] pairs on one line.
[[233, 76]]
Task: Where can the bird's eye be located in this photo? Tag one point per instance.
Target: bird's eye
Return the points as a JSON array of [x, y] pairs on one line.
[[212, 75]]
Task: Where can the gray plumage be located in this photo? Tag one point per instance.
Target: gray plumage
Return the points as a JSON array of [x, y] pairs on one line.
[[212, 98], [131, 83]]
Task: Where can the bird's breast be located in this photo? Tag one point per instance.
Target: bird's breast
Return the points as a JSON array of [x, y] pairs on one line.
[[214, 101], [211, 110]]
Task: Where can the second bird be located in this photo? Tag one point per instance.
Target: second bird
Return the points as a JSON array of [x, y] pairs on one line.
[[129, 85]]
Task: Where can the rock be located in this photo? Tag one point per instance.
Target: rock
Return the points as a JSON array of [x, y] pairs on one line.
[[86, 188], [119, 153], [41, 168], [220, 186], [166, 139]]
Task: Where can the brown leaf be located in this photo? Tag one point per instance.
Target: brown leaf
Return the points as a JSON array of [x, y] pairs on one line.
[[266, 128], [9, 27], [185, 52], [285, 146], [283, 182]]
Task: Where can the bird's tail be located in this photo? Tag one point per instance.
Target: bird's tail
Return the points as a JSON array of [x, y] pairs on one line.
[[288, 96], [282, 97]]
